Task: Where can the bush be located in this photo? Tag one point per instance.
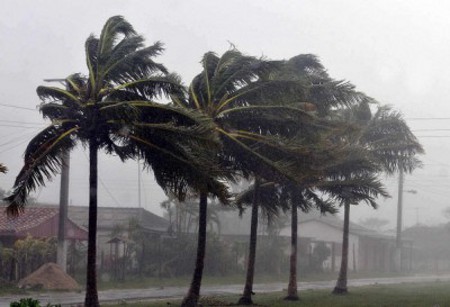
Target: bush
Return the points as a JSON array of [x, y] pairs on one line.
[[30, 302]]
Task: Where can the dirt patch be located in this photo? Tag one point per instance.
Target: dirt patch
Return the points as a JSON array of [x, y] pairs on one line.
[[49, 276]]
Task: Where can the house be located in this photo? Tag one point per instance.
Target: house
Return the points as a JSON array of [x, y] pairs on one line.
[[41, 221], [38, 222], [109, 219], [368, 250]]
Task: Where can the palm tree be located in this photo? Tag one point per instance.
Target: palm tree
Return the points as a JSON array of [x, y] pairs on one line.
[[350, 182], [3, 168], [323, 94], [112, 109], [234, 91], [276, 197], [390, 145], [304, 199]]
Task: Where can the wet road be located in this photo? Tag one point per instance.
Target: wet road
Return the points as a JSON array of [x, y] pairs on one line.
[[120, 295]]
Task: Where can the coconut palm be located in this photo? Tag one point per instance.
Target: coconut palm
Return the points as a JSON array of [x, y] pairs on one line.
[[390, 145], [323, 95], [235, 92], [113, 109], [276, 197]]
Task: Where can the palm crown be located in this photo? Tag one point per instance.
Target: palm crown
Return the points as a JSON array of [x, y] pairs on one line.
[[257, 126], [113, 108]]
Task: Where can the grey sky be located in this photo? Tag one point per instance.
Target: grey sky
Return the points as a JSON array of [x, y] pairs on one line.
[[395, 51]]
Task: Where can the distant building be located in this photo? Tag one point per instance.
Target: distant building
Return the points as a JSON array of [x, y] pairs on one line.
[[41, 221], [38, 222], [369, 250], [109, 218]]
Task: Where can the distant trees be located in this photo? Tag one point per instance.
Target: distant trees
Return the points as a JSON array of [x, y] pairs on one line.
[[25, 256]]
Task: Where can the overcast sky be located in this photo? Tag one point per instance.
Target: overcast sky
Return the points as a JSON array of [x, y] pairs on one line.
[[395, 51]]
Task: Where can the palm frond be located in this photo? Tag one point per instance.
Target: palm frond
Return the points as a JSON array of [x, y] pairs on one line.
[[114, 28], [43, 159], [3, 168], [151, 87], [55, 94], [364, 188], [91, 49], [136, 65]]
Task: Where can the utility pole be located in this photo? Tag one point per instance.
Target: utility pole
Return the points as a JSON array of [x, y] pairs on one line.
[[61, 249], [61, 253], [139, 183], [398, 241]]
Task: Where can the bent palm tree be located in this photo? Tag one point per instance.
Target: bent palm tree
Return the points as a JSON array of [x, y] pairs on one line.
[[323, 95], [251, 122], [389, 144], [285, 196], [112, 108]]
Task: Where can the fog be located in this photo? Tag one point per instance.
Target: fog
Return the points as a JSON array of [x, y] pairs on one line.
[[394, 51]]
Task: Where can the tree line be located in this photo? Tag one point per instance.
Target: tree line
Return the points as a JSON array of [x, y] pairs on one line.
[[303, 139]]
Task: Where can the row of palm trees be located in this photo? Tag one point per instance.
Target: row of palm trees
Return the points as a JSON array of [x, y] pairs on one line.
[[288, 127]]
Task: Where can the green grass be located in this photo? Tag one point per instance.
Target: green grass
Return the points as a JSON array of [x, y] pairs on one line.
[[408, 295], [146, 282], [7, 288]]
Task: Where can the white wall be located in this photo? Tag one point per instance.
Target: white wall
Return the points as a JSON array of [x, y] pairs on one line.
[[320, 231]]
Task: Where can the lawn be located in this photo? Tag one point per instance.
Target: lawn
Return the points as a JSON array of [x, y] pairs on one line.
[[434, 294], [138, 283]]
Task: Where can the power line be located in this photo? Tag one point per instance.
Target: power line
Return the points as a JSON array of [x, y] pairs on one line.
[[22, 122], [16, 107], [433, 136], [21, 126], [427, 118], [103, 184], [12, 147], [420, 130], [13, 140]]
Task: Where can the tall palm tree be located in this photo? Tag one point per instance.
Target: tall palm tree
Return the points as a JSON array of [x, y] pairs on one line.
[[112, 109], [390, 145], [276, 197], [234, 91], [350, 182], [323, 94]]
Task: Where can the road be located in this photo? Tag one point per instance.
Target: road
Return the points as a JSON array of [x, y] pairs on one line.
[[121, 295]]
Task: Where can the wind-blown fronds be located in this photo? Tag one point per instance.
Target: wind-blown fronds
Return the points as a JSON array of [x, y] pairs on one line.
[[363, 188], [255, 121], [115, 105], [322, 90], [43, 158], [391, 141]]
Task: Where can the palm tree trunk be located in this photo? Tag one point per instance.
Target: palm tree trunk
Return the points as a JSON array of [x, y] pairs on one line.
[[246, 298], [191, 299], [292, 294], [91, 299], [341, 284]]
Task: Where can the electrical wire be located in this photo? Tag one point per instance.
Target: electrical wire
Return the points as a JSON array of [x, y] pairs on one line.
[[17, 107], [103, 184]]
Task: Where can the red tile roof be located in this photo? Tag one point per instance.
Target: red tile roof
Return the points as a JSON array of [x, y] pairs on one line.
[[38, 222], [32, 217]]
